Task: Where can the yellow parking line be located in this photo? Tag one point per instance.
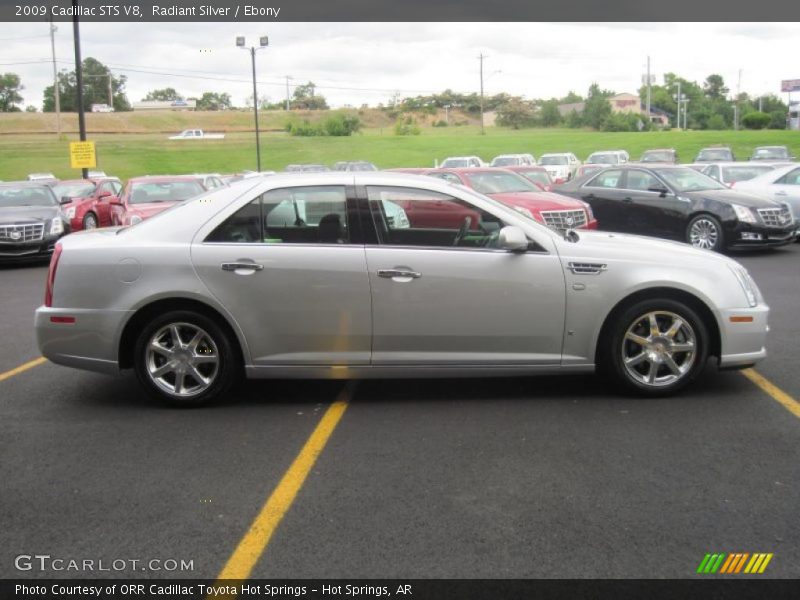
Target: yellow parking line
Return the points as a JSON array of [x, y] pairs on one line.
[[255, 541], [776, 393], [22, 368]]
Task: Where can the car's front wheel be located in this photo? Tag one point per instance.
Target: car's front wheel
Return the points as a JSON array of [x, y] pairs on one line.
[[705, 231], [185, 358], [655, 347], [90, 221]]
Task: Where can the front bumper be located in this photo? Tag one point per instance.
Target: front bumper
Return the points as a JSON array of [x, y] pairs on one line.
[[743, 342], [24, 251], [752, 235]]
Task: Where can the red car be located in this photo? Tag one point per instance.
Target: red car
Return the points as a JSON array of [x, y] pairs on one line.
[[537, 175], [521, 194], [148, 196], [89, 204]]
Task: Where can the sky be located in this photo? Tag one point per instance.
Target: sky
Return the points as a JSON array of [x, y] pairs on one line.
[[368, 63]]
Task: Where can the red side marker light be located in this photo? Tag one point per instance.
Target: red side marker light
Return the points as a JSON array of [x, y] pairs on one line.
[[66, 320]]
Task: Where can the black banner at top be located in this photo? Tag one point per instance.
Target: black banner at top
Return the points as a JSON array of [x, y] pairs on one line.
[[401, 10]]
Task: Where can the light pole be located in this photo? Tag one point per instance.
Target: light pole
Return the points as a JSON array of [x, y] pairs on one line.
[[678, 101], [263, 43]]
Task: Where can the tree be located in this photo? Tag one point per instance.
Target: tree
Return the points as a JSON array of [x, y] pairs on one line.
[[571, 98], [548, 114], [597, 108], [95, 89], [31, 108], [714, 87], [163, 95], [9, 92], [214, 101], [515, 113], [756, 120], [305, 97]]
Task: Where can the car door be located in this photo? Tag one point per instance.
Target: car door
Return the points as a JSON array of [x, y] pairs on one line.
[[604, 195], [652, 212], [787, 189], [290, 269], [102, 206], [447, 296]]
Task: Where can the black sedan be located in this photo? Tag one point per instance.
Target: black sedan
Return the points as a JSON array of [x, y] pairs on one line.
[[31, 221], [679, 203]]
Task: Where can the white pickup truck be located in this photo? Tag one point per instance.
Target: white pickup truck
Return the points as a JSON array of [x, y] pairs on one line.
[[196, 134]]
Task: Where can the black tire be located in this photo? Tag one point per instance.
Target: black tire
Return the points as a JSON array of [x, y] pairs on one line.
[[705, 231], [215, 342], [634, 378], [90, 221]]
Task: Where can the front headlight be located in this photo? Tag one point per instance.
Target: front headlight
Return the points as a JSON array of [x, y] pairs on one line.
[[56, 226], [524, 211], [749, 286], [70, 212], [744, 214], [589, 213]]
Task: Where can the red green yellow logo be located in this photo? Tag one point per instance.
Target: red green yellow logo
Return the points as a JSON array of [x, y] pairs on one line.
[[730, 564]]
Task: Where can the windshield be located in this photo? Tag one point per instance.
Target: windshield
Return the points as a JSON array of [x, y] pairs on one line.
[[26, 196], [688, 180], [455, 163], [553, 160], [505, 161], [715, 154], [770, 153], [742, 173], [487, 182], [164, 191], [657, 156], [603, 158], [537, 176], [80, 190]]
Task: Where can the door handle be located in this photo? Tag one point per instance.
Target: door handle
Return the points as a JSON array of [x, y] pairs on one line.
[[627, 200], [399, 274], [781, 193], [236, 266]]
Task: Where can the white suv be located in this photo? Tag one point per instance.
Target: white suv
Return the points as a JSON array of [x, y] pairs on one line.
[[561, 166], [461, 162], [513, 160]]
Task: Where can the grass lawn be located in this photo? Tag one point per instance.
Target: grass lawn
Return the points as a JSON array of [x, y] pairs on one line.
[[127, 155]]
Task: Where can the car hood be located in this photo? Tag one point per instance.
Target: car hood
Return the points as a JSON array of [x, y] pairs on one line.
[[538, 200], [622, 246], [732, 197], [148, 209], [16, 214]]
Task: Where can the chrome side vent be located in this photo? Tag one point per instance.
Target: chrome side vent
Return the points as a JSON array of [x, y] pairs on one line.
[[581, 268]]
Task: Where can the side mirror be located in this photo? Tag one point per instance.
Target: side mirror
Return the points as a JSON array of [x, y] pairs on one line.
[[114, 201], [513, 239], [65, 200], [105, 194], [662, 192]]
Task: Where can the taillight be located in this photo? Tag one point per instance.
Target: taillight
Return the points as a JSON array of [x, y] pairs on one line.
[[51, 276]]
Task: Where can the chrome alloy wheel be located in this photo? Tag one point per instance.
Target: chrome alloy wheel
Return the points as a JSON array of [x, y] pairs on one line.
[[704, 233], [182, 359], [659, 348], [90, 222]]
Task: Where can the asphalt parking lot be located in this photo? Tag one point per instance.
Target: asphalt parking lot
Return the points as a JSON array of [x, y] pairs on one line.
[[512, 478]]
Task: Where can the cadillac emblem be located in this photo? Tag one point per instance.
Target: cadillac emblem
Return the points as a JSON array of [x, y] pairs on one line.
[[569, 221], [15, 235]]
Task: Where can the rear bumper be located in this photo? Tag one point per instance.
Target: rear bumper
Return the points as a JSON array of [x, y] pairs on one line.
[[90, 343]]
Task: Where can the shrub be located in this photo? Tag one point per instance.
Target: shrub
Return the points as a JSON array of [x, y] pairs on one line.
[[440, 123], [342, 125], [406, 125], [756, 120], [715, 122], [777, 119]]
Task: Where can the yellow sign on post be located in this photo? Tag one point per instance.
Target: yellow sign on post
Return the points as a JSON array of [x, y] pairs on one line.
[[82, 155]]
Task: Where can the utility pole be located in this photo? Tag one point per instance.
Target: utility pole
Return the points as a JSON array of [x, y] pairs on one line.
[[76, 34], [480, 58], [53, 30], [678, 120], [287, 92], [446, 114], [263, 43], [110, 91], [736, 106], [648, 89], [685, 113]]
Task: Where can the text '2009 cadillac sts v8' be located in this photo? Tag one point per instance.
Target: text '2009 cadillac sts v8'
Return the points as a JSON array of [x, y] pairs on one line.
[[310, 275]]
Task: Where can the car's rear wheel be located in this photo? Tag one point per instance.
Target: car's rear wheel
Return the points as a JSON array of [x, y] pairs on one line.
[[655, 347], [185, 358], [90, 221], [705, 231]]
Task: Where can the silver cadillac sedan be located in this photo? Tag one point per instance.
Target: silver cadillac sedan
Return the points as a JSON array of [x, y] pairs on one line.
[[355, 275]]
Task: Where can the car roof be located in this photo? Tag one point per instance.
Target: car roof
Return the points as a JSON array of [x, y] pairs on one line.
[[27, 184], [556, 154], [164, 178]]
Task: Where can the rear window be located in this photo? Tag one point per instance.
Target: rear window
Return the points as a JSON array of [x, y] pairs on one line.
[[164, 191], [553, 160]]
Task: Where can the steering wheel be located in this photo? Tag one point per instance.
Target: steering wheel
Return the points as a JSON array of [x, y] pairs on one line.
[[462, 231]]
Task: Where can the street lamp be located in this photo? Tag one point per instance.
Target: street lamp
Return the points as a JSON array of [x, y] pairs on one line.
[[263, 43]]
